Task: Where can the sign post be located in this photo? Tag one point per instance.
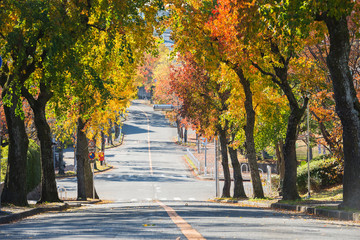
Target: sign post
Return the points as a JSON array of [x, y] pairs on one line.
[[216, 169], [92, 149], [205, 142]]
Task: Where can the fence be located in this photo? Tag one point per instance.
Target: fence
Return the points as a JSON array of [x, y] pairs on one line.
[[201, 163]]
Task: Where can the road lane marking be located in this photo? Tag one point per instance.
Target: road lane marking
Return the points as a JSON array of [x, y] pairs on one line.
[[186, 229], [149, 146]]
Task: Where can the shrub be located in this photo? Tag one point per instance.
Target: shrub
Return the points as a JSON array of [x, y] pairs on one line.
[[323, 173], [33, 176]]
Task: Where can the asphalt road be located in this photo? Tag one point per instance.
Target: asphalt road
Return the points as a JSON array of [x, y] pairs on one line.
[[155, 197]]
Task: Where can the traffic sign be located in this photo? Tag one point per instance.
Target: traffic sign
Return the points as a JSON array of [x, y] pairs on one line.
[[92, 146], [204, 141], [92, 155], [0, 61]]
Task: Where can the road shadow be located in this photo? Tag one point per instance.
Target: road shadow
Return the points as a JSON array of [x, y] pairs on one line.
[[132, 129], [141, 177], [151, 221]]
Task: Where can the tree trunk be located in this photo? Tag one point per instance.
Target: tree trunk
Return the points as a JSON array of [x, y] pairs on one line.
[[239, 191], [347, 107], [48, 183], [281, 79], [281, 163], [81, 154], [249, 135], [84, 173], [102, 141], [197, 143], [289, 189], [178, 127], [14, 191], [110, 140], [225, 163], [117, 129]]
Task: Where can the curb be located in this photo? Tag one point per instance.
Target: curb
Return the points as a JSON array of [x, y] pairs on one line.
[[19, 216], [246, 203], [336, 214], [194, 171], [320, 212], [74, 175]]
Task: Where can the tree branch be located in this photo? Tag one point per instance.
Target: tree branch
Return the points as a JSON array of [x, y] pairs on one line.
[[273, 76], [29, 97], [97, 27]]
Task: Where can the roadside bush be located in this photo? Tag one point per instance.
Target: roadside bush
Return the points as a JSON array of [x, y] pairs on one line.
[[33, 177], [4, 153], [323, 173]]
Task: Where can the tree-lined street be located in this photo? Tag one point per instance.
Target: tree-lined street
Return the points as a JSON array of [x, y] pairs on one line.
[[148, 166], [150, 183], [271, 88]]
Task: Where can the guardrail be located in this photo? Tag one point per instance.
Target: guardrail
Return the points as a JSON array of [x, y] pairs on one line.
[[194, 160], [163, 107]]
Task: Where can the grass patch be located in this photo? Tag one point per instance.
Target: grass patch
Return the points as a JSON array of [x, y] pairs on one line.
[[261, 199], [67, 174], [330, 194]]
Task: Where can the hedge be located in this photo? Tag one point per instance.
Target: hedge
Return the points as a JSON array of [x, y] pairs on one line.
[[323, 173]]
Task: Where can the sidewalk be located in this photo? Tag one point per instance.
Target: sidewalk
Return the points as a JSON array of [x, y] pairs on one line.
[[10, 214], [69, 156], [327, 209]]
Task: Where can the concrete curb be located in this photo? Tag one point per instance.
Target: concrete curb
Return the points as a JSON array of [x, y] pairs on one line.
[[327, 213], [336, 214], [246, 202], [74, 175], [19, 216]]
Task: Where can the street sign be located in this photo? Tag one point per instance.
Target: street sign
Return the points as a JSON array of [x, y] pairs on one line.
[[204, 141], [92, 146], [0, 61], [92, 155]]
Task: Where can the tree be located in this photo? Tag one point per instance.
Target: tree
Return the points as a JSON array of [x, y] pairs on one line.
[[188, 22], [41, 58], [252, 38], [348, 107], [202, 104], [336, 15]]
